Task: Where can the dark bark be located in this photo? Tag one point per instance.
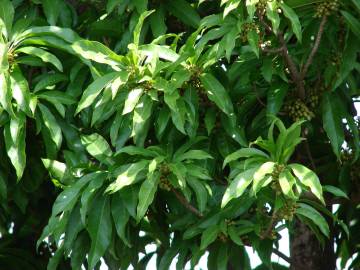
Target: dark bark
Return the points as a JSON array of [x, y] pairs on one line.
[[307, 253]]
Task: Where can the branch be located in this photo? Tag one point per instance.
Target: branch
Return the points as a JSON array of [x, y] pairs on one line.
[[315, 48], [185, 203], [282, 255], [294, 72], [272, 223], [257, 96]]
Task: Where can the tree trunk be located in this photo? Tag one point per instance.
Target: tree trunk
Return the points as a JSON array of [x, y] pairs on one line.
[[306, 252]]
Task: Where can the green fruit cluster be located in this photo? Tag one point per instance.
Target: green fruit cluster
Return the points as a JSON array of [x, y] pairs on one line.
[[298, 110], [326, 8], [164, 182], [261, 5], [277, 170], [246, 28], [288, 211]]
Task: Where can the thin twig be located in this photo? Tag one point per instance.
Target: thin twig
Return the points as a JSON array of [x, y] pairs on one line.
[[185, 203], [282, 255], [257, 96], [308, 152], [272, 223], [275, 50], [295, 74], [315, 48]]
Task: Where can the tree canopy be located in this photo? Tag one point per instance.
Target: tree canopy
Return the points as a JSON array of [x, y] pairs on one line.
[[194, 126]]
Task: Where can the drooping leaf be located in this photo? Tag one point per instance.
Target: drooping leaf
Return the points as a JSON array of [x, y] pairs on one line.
[[100, 229], [146, 194]]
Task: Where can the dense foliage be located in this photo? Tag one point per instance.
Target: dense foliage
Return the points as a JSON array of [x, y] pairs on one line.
[[194, 126]]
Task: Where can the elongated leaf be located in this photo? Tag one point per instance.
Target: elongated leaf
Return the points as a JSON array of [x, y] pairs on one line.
[[120, 216], [238, 186], [138, 27], [100, 229], [146, 194], [332, 122], [353, 23], [16, 149], [217, 93], [309, 212], [43, 55], [52, 10], [89, 194], [56, 169], [94, 89], [52, 125], [264, 169], [294, 19], [50, 80], [7, 15], [193, 154], [184, 12], [97, 146], [335, 191], [133, 150], [244, 153], [209, 236], [200, 192], [20, 90], [309, 179], [127, 176], [132, 99]]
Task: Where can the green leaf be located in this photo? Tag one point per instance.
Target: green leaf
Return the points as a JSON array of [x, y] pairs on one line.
[[120, 216], [234, 236], [94, 89], [184, 12], [5, 93], [3, 188], [100, 229], [20, 90], [56, 169], [309, 179], [52, 10], [259, 175], [50, 80], [209, 236], [139, 25], [127, 176], [52, 125], [275, 97], [97, 146], [210, 120], [294, 19], [335, 191], [193, 154], [4, 62], [238, 186], [200, 192], [134, 150], [332, 121], [309, 212], [353, 23], [6, 15], [253, 39], [142, 113], [73, 227], [273, 15], [43, 55], [217, 93], [16, 149], [244, 153], [56, 259], [132, 99], [56, 97], [286, 181], [89, 194], [163, 52], [146, 194], [65, 34]]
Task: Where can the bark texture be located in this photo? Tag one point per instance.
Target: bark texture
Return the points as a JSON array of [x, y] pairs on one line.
[[306, 252]]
